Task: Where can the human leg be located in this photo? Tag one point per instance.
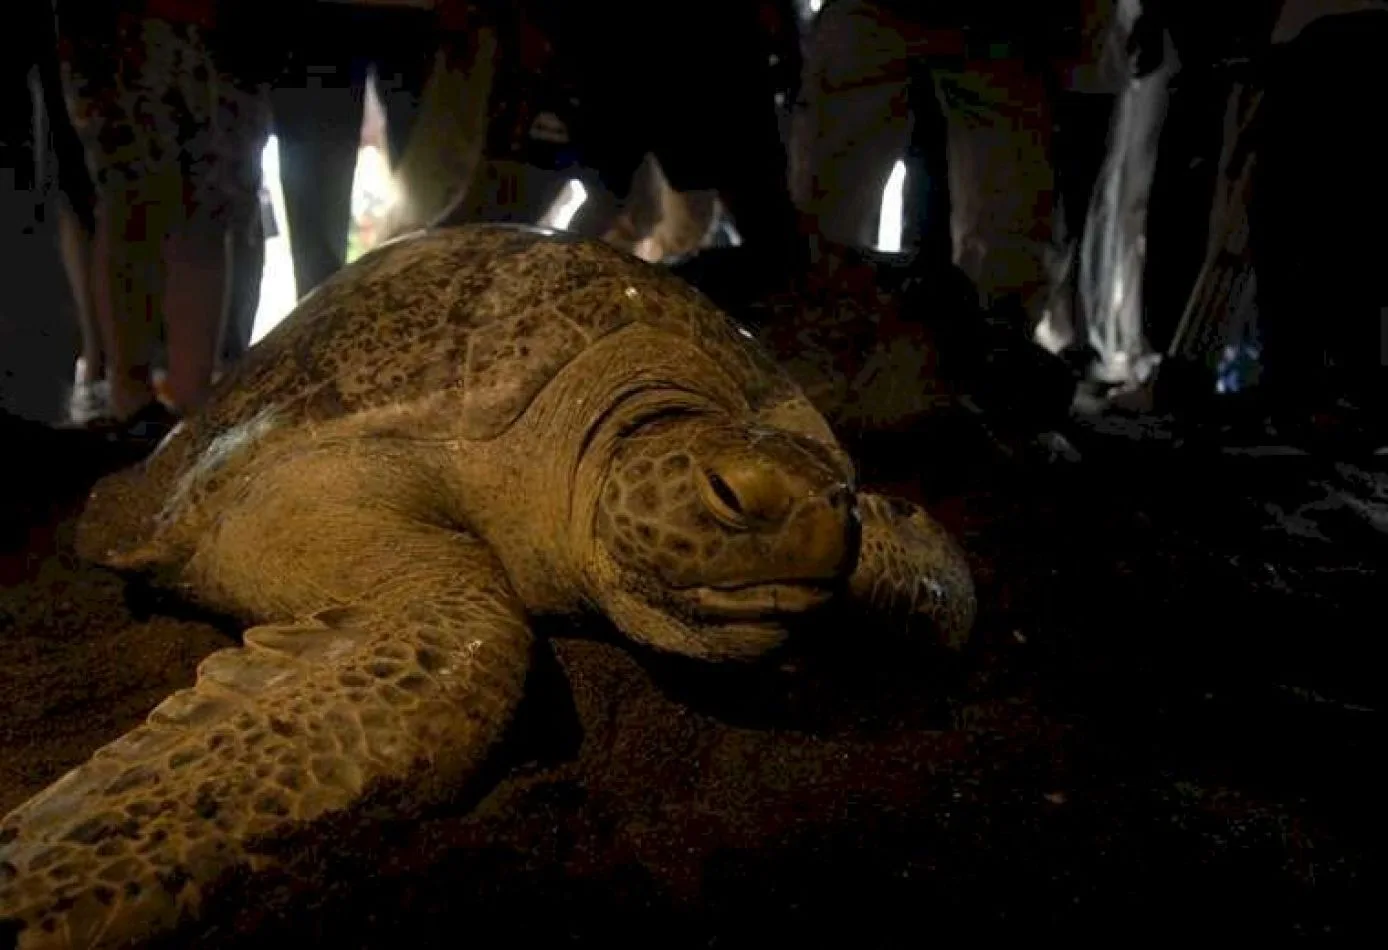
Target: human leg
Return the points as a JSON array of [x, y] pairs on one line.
[[197, 264], [75, 238], [220, 170], [407, 40], [90, 394], [317, 108], [615, 154], [111, 259], [124, 260], [851, 120], [926, 196], [1001, 181], [247, 248]]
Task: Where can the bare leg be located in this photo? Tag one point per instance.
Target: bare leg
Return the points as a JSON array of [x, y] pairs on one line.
[[75, 241], [122, 299], [197, 263], [319, 129]]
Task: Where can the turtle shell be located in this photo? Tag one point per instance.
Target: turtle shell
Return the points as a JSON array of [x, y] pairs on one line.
[[491, 311], [488, 312]]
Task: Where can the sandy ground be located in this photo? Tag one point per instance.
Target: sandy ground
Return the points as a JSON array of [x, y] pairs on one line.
[[1162, 726]]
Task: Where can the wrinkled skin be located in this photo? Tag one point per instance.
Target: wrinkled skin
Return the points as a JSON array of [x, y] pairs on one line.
[[465, 430], [715, 538]]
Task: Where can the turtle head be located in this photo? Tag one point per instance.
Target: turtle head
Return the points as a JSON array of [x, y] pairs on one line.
[[715, 539]]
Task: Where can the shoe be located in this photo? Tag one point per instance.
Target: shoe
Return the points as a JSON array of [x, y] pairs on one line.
[[90, 399], [142, 431]]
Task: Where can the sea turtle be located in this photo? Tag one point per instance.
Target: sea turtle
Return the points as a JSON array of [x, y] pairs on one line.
[[466, 428]]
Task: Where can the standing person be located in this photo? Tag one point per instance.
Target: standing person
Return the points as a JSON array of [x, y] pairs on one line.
[[318, 103], [871, 67], [1317, 203], [172, 122], [89, 397], [696, 89]]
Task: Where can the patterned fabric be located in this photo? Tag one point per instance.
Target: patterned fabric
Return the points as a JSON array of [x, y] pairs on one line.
[[160, 119]]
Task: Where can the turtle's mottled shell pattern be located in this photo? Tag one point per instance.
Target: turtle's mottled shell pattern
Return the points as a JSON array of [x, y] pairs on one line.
[[489, 312]]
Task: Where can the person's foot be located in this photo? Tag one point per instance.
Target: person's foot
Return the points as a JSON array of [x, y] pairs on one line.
[[159, 382], [90, 398], [144, 429], [131, 392]]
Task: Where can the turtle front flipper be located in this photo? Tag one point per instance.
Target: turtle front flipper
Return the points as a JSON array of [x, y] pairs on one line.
[[392, 701], [911, 572]]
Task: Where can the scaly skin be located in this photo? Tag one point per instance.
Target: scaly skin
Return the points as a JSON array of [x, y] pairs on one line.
[[463, 430], [399, 691]]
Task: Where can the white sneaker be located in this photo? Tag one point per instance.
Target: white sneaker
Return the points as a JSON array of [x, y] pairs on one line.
[[90, 399]]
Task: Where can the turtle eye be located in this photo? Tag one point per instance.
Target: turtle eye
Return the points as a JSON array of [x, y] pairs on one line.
[[724, 492], [722, 501]]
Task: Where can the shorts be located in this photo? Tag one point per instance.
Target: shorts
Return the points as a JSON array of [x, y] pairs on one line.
[[161, 122]]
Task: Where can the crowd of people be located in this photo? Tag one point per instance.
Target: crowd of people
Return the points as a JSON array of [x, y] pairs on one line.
[[160, 111], [162, 108], [168, 105]]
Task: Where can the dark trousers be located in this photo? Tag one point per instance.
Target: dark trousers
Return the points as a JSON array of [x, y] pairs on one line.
[[317, 108], [926, 195], [247, 265], [1318, 214], [711, 120]]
